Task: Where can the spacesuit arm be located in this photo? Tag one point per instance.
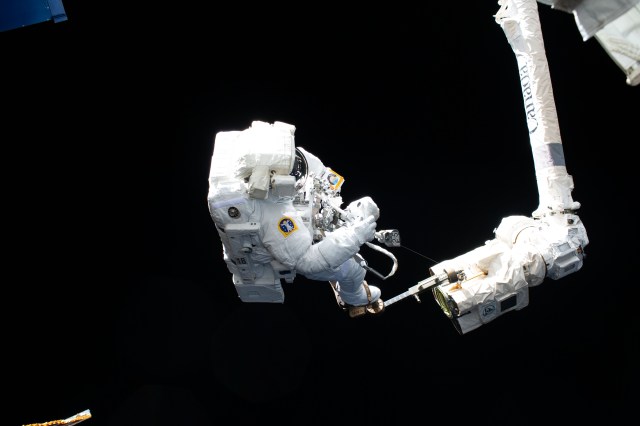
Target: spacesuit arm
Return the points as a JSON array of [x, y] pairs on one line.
[[337, 247]]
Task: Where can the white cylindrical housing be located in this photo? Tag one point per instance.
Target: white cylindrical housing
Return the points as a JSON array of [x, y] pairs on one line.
[[520, 22]]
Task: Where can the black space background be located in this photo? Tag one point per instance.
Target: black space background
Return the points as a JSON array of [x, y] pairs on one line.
[[116, 296]]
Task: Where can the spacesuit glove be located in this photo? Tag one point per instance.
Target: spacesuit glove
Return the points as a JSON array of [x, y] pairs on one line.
[[364, 229], [363, 208]]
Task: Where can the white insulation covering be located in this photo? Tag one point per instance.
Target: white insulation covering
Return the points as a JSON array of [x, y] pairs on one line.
[[592, 16], [616, 26], [256, 153], [521, 24]]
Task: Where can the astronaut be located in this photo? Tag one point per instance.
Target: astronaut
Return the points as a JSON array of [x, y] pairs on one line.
[[277, 210]]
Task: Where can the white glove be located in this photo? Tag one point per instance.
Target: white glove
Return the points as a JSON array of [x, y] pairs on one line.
[[364, 207], [364, 229]]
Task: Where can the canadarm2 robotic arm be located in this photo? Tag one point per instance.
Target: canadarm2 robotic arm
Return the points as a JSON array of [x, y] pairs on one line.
[[481, 285]]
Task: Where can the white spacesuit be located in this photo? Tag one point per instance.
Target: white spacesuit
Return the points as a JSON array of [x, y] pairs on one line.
[[277, 211]]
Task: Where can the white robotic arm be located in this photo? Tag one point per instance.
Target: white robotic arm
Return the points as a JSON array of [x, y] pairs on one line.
[[479, 286]]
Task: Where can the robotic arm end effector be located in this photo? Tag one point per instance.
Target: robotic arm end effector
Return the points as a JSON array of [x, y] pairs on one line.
[[495, 278]]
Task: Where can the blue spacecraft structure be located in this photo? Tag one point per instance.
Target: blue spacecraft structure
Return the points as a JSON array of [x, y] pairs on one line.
[[21, 13]]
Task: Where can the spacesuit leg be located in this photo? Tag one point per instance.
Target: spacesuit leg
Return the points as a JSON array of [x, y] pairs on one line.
[[353, 293], [375, 306]]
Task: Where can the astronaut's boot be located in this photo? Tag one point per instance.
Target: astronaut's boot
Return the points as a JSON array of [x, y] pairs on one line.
[[366, 299]]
